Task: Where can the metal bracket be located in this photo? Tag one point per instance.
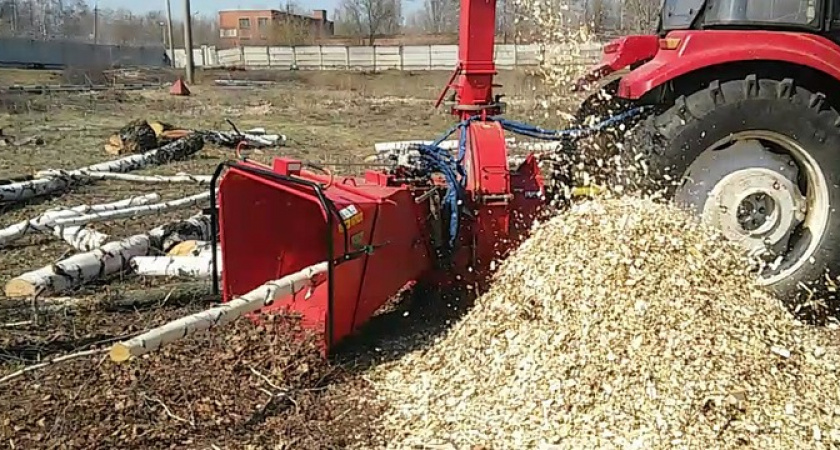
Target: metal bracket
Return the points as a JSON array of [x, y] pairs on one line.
[[363, 251]]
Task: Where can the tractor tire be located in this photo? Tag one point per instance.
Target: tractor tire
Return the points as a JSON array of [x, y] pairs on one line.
[[602, 104], [755, 157]]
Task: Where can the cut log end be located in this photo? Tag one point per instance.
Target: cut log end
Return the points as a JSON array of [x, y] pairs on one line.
[[185, 248], [18, 288], [120, 353]]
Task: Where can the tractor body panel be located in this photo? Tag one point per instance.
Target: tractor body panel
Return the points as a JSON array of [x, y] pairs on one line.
[[619, 54], [683, 52]]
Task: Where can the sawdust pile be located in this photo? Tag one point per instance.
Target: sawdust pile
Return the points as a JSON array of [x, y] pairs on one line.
[[622, 324], [239, 387]]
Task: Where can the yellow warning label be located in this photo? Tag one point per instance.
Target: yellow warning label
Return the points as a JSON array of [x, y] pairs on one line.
[[351, 216]]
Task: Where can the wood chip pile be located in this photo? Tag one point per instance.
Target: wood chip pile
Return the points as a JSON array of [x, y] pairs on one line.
[[622, 324]]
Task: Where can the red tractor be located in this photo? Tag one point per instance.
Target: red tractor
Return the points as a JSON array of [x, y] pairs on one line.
[[742, 126]]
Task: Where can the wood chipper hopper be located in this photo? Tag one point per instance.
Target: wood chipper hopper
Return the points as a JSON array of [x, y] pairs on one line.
[[280, 220]]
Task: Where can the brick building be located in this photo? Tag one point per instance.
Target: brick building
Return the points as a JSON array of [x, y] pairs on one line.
[[268, 26]]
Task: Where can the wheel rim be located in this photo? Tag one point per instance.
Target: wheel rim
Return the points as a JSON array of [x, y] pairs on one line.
[[765, 192]]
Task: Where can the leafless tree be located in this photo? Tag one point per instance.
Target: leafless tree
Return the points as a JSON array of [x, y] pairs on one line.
[[369, 18], [640, 16]]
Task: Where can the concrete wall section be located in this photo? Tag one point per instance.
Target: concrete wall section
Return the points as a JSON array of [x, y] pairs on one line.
[[59, 54]]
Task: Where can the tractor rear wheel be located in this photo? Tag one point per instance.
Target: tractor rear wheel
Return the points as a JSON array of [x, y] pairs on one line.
[[758, 159]]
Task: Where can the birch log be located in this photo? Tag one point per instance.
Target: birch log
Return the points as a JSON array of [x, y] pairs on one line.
[[174, 266], [79, 269], [163, 179], [262, 296], [133, 212], [46, 221], [29, 189], [199, 265], [107, 260]]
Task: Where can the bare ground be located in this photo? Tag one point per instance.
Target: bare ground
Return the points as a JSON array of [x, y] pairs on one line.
[[202, 391]]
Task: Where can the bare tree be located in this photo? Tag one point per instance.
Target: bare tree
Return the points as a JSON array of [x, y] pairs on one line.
[[369, 18], [640, 16], [290, 30]]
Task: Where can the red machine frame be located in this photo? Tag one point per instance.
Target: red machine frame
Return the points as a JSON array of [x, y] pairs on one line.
[[656, 61], [381, 232]]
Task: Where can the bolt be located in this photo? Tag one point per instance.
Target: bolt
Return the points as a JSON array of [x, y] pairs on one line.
[[776, 185]]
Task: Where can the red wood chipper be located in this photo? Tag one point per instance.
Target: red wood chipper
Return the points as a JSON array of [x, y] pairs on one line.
[[443, 217]]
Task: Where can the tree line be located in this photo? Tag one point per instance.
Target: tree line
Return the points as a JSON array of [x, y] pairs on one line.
[[366, 20], [76, 20]]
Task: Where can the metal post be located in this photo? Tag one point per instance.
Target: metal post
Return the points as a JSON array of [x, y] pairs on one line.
[[14, 17], [188, 47], [95, 24], [169, 33]]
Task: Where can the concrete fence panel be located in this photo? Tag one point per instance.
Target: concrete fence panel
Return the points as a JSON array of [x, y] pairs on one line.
[[281, 57], [387, 58], [334, 57], [326, 57], [308, 58]]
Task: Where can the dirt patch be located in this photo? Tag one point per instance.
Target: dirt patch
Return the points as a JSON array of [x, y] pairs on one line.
[[240, 385]]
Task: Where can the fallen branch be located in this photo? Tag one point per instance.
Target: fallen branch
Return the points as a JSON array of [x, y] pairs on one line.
[[46, 222], [49, 362], [109, 259], [219, 315], [251, 138], [179, 149], [133, 212], [179, 178]]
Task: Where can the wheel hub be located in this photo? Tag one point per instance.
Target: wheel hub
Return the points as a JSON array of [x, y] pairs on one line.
[[757, 207]]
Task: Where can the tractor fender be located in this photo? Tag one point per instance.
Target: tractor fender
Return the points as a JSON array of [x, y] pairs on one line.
[[682, 52]]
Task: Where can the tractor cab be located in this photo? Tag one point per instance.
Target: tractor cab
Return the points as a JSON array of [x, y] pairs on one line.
[[801, 15]]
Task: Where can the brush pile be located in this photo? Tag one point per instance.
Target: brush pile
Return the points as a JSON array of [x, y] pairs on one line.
[[622, 324]]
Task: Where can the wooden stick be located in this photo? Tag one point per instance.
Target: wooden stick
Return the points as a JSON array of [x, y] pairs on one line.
[[133, 212], [179, 178], [260, 297], [49, 362], [25, 190]]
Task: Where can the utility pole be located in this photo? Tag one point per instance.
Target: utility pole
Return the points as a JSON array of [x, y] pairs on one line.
[[188, 47], [14, 18], [95, 23], [169, 32]]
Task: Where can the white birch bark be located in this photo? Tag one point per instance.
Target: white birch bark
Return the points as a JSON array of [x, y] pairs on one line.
[[80, 238], [200, 266], [29, 189], [133, 212], [105, 261], [79, 269], [252, 301], [46, 222], [163, 179]]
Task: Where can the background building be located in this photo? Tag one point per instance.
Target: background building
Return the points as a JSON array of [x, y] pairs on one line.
[[272, 27]]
